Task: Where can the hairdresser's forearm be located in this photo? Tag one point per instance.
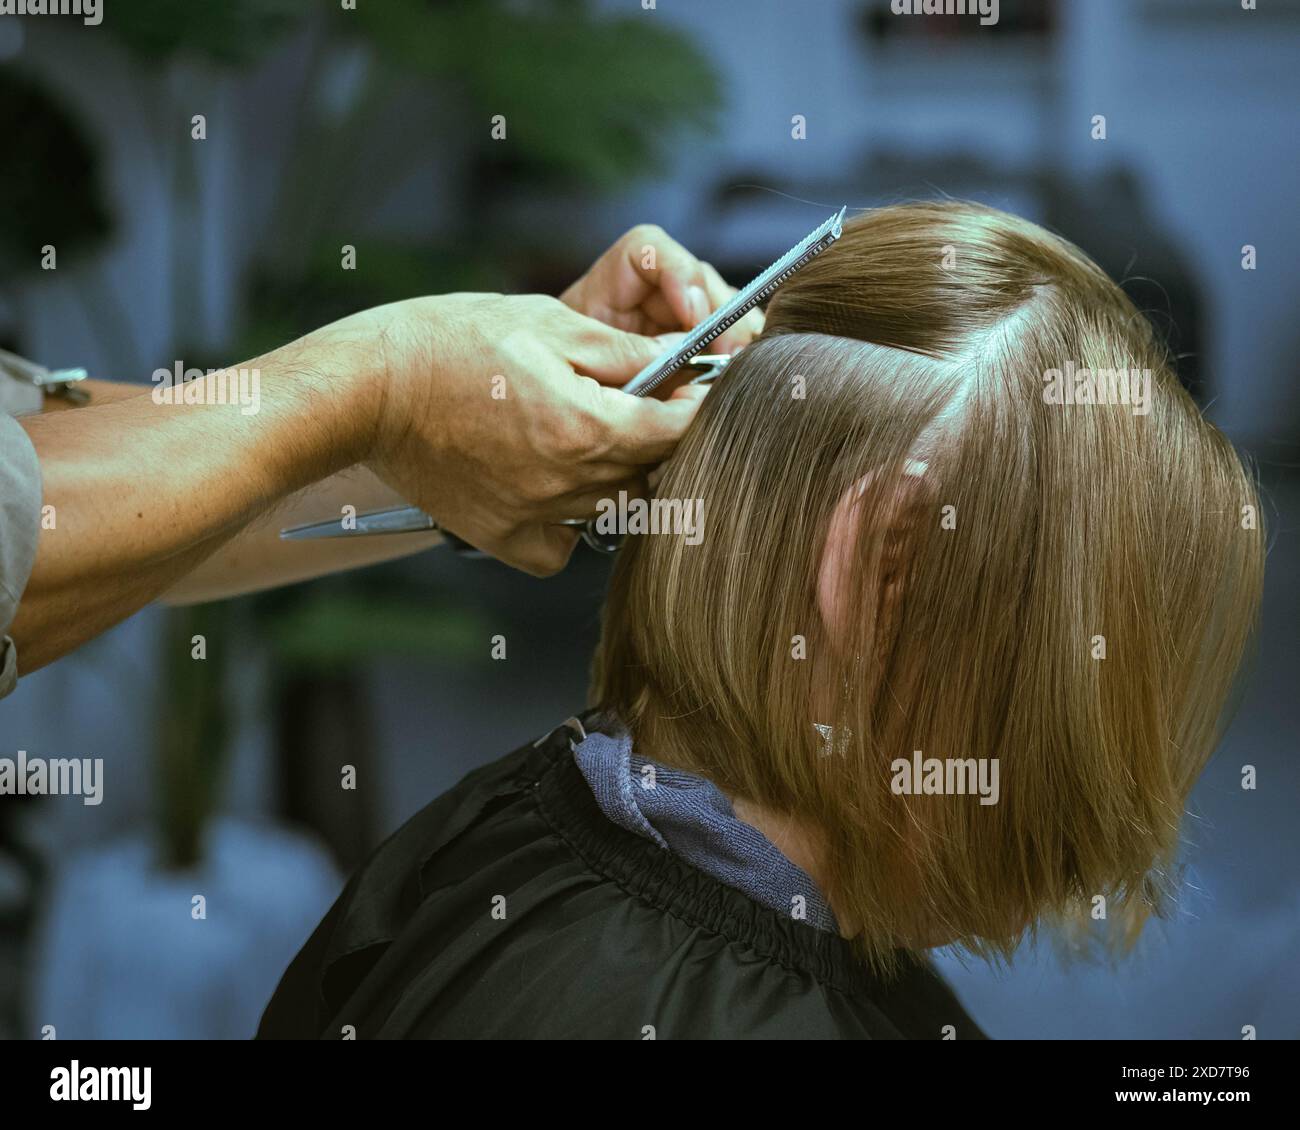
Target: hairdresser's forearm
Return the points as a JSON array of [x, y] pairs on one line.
[[143, 492], [257, 557]]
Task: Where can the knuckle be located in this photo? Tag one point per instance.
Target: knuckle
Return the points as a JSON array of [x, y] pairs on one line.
[[538, 489], [497, 529], [651, 235], [533, 306], [529, 487], [541, 309], [510, 344], [580, 433], [574, 443]]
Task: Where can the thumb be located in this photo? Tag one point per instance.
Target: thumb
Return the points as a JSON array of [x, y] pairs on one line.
[[644, 430]]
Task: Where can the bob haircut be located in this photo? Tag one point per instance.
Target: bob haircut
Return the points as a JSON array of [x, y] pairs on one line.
[[1065, 587]]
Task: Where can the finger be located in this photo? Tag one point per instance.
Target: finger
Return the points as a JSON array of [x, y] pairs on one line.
[[591, 500], [677, 275], [720, 291], [682, 389], [641, 429], [657, 311], [651, 316], [691, 392], [541, 549], [598, 480], [611, 356]]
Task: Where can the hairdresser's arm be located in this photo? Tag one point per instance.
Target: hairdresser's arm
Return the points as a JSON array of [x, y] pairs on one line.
[[137, 493], [645, 283], [256, 557], [227, 544], [487, 411]]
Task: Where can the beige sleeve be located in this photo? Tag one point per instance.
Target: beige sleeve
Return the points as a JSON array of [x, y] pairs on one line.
[[20, 518]]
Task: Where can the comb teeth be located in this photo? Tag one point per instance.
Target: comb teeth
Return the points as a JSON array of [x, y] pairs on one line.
[[759, 288]]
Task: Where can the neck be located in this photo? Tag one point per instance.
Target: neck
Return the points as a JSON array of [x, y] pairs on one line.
[[799, 843]]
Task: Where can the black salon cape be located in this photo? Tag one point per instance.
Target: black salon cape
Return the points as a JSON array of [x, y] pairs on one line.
[[511, 907]]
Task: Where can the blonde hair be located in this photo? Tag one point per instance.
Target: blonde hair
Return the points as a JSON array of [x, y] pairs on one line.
[[1066, 588]]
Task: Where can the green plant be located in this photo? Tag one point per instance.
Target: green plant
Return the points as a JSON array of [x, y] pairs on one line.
[[232, 33]]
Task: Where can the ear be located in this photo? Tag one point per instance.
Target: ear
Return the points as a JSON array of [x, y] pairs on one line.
[[897, 511]]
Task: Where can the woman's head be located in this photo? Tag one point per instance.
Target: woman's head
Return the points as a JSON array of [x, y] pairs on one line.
[[955, 502]]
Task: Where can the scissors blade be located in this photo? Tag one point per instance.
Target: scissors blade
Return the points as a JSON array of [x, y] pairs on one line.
[[394, 520]]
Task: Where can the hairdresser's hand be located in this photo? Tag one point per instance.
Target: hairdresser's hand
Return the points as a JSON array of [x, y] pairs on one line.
[[501, 415], [648, 283]]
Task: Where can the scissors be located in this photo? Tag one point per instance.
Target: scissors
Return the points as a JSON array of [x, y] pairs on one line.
[[688, 355], [52, 382]]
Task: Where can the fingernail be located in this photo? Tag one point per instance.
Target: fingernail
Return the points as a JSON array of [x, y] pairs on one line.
[[699, 302]]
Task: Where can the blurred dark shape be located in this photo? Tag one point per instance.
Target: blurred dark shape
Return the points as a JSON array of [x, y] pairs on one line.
[[322, 637], [51, 191], [322, 730], [1110, 218], [193, 729], [23, 873]]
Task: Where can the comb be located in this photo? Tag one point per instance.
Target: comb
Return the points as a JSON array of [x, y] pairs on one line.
[[741, 303]]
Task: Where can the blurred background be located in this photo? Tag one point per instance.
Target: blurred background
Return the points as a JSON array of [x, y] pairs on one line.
[[327, 127]]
